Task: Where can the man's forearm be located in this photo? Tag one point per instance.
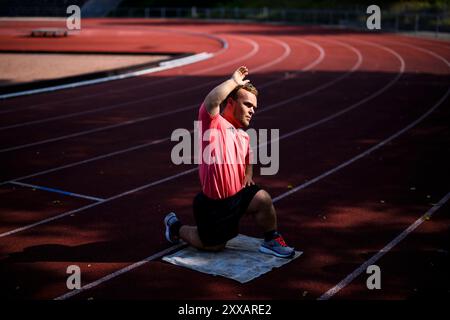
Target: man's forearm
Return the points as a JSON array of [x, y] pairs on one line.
[[248, 180], [249, 171], [218, 94]]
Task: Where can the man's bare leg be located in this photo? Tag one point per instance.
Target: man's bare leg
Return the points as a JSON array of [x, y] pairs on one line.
[[263, 211]]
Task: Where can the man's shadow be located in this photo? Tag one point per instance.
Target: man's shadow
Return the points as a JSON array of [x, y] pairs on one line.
[[104, 251]]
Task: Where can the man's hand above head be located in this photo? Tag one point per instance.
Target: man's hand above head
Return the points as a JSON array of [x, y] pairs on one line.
[[218, 94], [239, 75]]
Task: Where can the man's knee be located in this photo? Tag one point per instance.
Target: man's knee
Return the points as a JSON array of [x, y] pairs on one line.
[[263, 199]]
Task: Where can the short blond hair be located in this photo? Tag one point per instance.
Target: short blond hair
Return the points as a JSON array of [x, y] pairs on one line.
[[233, 94]]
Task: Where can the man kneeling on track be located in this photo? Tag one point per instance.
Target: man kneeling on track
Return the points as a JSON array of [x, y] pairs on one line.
[[228, 190]]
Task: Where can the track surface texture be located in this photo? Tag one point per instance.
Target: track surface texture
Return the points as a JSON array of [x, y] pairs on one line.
[[364, 140]]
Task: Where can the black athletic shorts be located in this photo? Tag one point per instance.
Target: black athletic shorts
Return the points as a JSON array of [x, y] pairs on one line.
[[218, 219]]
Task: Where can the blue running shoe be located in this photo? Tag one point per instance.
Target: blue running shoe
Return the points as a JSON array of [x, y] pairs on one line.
[[169, 220], [277, 247]]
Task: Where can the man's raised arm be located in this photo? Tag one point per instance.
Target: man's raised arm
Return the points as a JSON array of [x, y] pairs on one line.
[[218, 94]]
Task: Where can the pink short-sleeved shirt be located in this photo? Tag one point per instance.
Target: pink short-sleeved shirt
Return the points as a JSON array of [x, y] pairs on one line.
[[224, 154]]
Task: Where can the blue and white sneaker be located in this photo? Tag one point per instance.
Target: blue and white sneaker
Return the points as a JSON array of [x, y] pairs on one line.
[[277, 247], [169, 220]]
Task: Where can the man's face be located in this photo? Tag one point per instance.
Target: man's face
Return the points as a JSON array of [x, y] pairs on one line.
[[244, 107]]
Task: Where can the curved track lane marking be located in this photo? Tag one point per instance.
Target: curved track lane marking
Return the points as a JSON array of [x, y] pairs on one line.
[[359, 103], [431, 53], [325, 85]]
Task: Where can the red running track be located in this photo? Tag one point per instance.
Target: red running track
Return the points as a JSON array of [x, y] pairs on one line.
[[333, 94]]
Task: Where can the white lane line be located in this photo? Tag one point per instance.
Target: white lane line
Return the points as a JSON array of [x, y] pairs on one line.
[[308, 67], [379, 145], [119, 272], [255, 49], [29, 226], [363, 154], [313, 63], [103, 156], [363, 267], [325, 85], [145, 83], [286, 53], [420, 49], [98, 129], [359, 103], [319, 48], [66, 193]]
